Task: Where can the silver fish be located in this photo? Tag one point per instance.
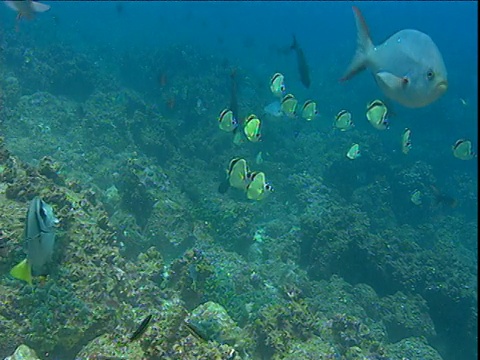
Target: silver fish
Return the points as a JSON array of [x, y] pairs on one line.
[[274, 109], [408, 66]]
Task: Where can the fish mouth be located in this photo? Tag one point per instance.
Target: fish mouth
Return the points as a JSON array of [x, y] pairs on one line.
[[442, 86]]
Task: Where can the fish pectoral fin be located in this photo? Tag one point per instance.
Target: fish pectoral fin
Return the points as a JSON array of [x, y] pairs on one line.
[[391, 81], [22, 271]]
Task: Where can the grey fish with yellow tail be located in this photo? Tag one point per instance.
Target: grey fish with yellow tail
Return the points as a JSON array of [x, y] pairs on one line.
[[227, 121], [252, 128], [343, 120], [408, 67], [377, 115], [309, 110], [462, 149], [354, 152], [258, 188], [303, 68], [277, 85], [289, 105], [406, 141], [40, 237]]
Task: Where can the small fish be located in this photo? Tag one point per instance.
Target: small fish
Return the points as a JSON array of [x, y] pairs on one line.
[[226, 121], [416, 197], [274, 109], [141, 329], [309, 110], [238, 137], [408, 66], [463, 102], [302, 63], [237, 173], [40, 238], [236, 176], [252, 128], [343, 120], [377, 115], [27, 8], [195, 331], [4, 248], [406, 142], [462, 149], [258, 189], [277, 85], [233, 92], [259, 158], [289, 105], [443, 199], [354, 152]]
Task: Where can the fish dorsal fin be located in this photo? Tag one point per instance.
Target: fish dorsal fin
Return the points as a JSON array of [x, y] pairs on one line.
[[364, 46], [39, 7]]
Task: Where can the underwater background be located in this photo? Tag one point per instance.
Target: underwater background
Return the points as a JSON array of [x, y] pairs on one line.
[[108, 111]]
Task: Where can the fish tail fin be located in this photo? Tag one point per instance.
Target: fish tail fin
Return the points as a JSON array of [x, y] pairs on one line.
[[364, 46], [22, 271]]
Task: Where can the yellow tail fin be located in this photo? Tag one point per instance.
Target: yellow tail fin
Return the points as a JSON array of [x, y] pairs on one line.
[[22, 271]]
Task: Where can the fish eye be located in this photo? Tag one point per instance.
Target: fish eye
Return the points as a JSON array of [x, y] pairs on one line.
[[430, 74], [282, 87]]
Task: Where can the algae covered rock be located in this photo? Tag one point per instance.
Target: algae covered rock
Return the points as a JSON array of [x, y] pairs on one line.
[[108, 346], [312, 349], [413, 348], [212, 322], [23, 352]]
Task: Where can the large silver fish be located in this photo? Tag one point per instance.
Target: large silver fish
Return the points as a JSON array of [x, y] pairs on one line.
[[40, 237], [408, 66]]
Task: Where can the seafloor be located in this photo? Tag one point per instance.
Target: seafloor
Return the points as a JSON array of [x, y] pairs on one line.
[[330, 266]]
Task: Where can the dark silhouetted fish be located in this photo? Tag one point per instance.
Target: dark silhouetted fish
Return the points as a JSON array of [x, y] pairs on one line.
[[443, 199], [302, 63], [141, 329], [119, 8], [233, 93]]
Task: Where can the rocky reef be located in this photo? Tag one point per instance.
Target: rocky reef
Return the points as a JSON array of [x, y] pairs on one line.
[[324, 268]]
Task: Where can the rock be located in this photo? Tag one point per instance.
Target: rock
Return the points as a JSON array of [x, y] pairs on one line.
[[108, 346], [23, 352], [212, 322]]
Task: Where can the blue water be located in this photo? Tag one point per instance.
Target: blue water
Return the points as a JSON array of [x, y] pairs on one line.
[[255, 36]]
